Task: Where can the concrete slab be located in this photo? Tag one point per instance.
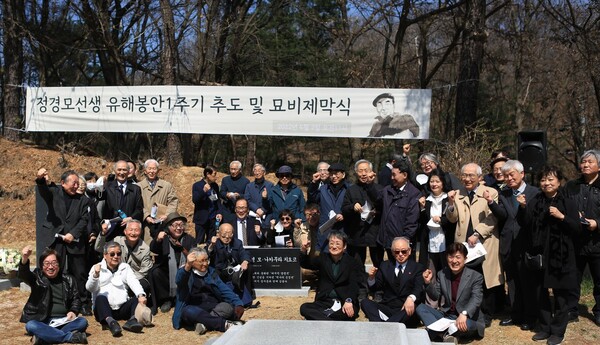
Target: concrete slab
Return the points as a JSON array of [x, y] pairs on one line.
[[303, 292], [297, 332], [6, 284]]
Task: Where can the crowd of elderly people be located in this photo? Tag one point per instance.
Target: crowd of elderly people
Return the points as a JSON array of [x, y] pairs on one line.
[[459, 248]]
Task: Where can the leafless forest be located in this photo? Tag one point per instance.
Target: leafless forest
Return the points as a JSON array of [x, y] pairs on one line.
[[496, 67]]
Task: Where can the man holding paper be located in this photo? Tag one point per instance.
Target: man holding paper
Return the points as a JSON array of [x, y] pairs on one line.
[[401, 280], [475, 223], [50, 314], [461, 289]]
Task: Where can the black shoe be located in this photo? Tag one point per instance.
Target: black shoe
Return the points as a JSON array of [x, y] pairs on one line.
[[86, 310], [78, 338], [35, 340], [554, 340], [165, 307], [526, 326], [507, 322], [573, 316], [378, 297], [115, 328], [597, 319], [132, 325], [488, 321], [539, 336]]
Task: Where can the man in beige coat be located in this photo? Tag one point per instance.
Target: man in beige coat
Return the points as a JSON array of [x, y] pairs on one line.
[[156, 191], [476, 223]]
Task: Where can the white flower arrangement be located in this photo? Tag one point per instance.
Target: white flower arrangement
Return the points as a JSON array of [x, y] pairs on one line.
[[9, 260]]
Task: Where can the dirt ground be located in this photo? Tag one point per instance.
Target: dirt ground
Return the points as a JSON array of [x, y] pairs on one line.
[[19, 163]]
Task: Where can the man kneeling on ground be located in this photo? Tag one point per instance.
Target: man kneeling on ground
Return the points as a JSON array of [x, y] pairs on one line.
[[203, 301]]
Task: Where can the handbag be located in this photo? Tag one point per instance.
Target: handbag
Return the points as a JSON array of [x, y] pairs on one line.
[[534, 262]]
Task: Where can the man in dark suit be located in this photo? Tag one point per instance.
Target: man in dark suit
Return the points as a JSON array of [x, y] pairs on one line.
[[122, 194], [462, 292], [245, 228], [207, 209], [523, 313], [339, 276], [65, 226], [402, 283], [232, 262], [384, 178]]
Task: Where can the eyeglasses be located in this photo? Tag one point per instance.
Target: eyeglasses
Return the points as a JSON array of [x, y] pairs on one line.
[[50, 263], [178, 225], [226, 236], [469, 176], [285, 218], [426, 164], [241, 208], [112, 254], [308, 215], [288, 176], [401, 251]]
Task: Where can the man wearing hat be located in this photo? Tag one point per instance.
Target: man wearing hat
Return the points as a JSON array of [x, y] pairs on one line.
[[171, 247], [389, 122], [330, 197], [285, 195]]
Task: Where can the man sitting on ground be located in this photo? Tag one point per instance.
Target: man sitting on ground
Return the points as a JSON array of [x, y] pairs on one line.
[[203, 300], [109, 282], [339, 276], [54, 295], [402, 283], [135, 251], [462, 292], [232, 262]]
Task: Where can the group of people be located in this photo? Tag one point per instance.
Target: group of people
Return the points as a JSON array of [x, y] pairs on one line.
[[429, 225]]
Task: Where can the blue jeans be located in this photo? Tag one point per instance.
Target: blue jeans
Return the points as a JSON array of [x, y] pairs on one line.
[[61, 334]]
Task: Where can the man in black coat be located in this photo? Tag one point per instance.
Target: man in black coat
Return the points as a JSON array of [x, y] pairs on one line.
[[122, 194], [402, 283], [65, 227], [207, 207], [523, 313], [245, 228], [339, 276], [50, 285]]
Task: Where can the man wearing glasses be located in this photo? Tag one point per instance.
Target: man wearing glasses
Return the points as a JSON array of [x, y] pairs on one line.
[[109, 282], [49, 285], [402, 283], [476, 223], [171, 247], [285, 195], [247, 229]]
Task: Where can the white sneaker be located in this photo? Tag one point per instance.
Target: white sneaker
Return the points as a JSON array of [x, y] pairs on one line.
[[200, 328]]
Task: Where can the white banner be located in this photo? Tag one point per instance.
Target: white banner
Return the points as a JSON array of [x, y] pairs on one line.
[[284, 111]]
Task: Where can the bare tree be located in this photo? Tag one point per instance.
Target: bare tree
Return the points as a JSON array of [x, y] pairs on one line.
[[13, 66]]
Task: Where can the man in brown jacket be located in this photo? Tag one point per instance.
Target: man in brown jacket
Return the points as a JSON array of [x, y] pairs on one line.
[[156, 191], [476, 223]]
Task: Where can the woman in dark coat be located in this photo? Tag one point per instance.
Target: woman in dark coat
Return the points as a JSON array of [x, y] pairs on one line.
[[552, 221]]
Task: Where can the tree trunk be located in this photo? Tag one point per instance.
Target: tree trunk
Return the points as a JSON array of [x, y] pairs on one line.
[[169, 63], [250, 154], [13, 67], [471, 57]]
